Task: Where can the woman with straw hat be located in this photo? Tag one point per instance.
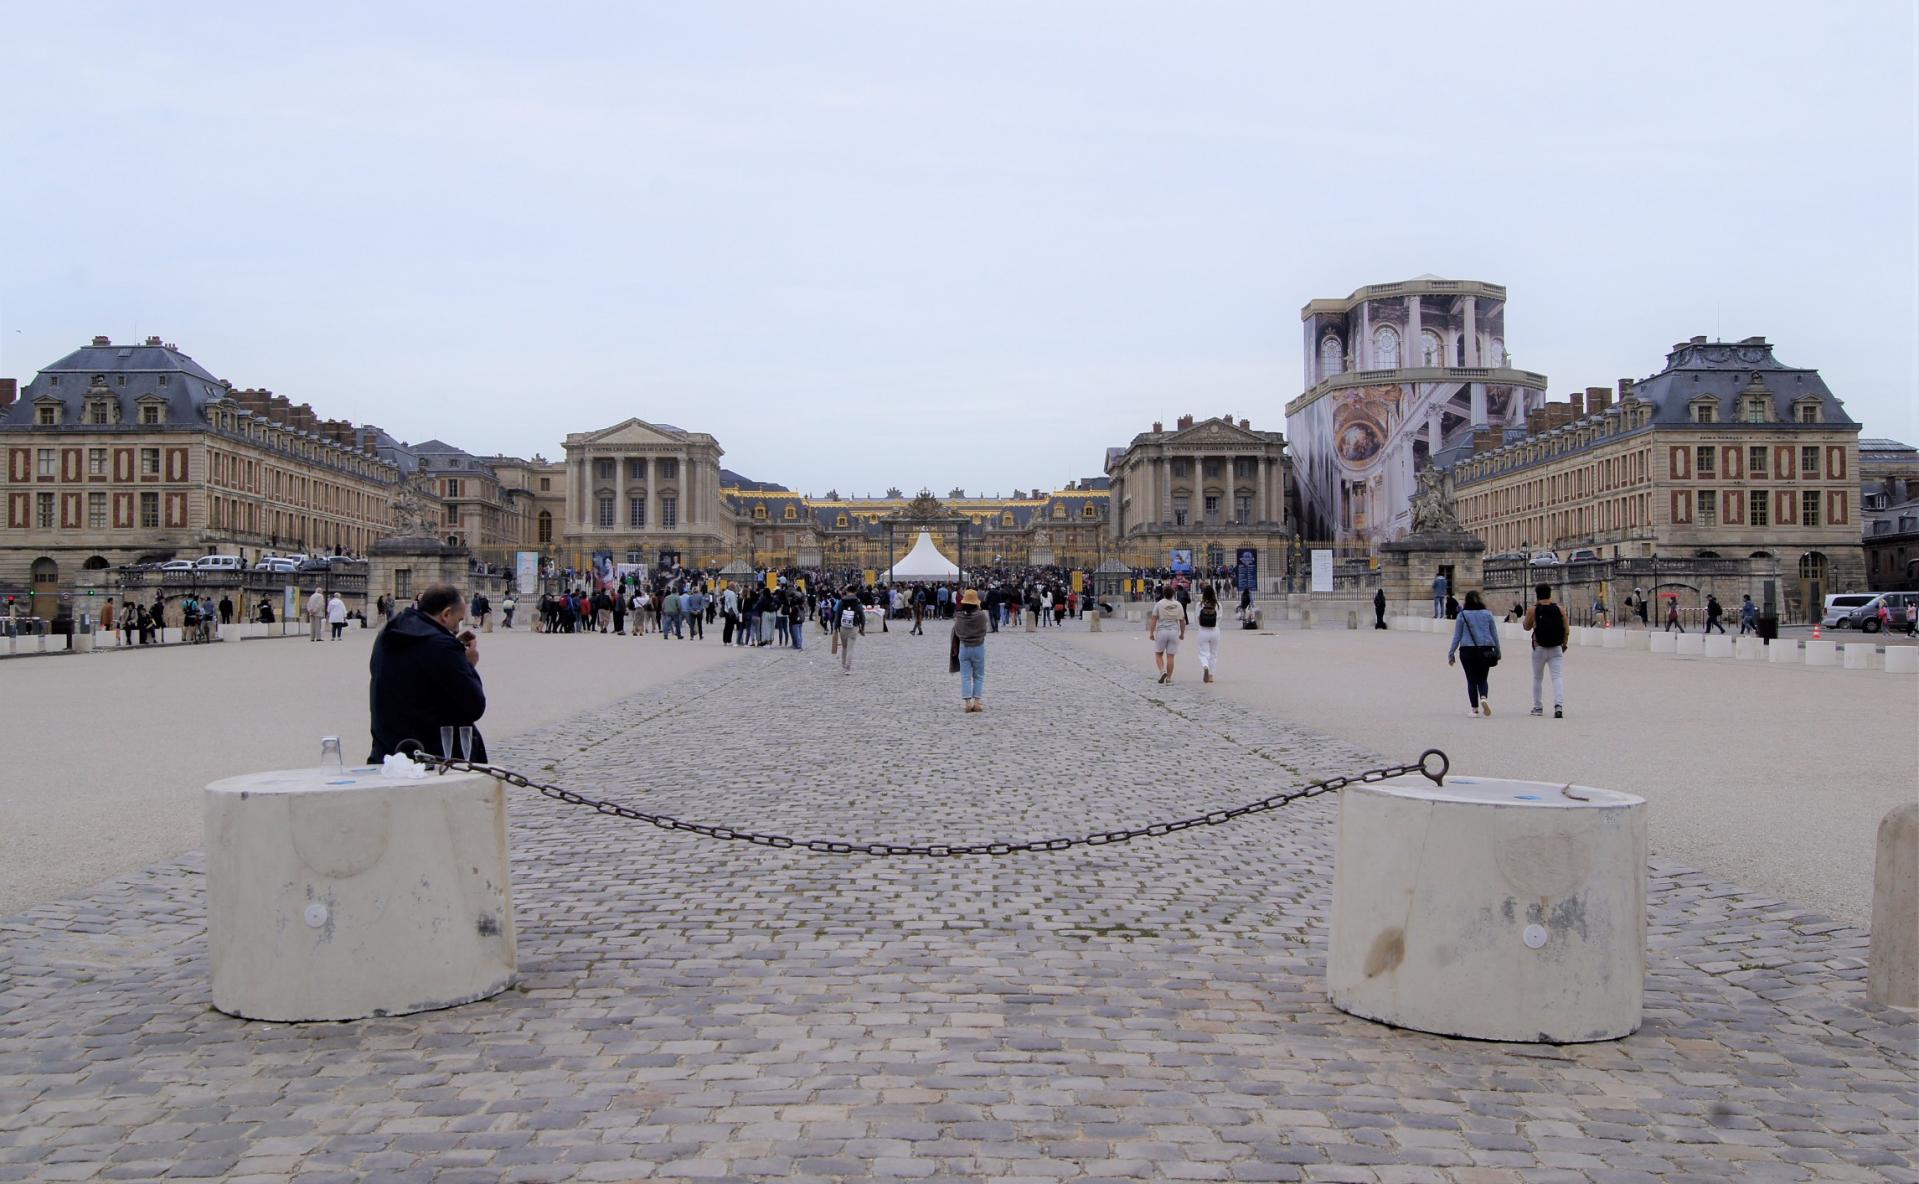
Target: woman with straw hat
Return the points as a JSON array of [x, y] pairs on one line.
[[968, 656]]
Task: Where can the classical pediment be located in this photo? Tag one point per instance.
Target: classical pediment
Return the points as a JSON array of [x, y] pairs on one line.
[[632, 432], [1216, 431]]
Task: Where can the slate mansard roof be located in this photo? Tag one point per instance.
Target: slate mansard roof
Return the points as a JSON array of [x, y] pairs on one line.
[[186, 392], [1726, 370]]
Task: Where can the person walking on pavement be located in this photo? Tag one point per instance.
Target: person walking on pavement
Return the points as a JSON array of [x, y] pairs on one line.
[[316, 613], [336, 615], [1672, 616], [1166, 625], [1748, 616], [1547, 624], [1440, 588], [969, 651], [1713, 614], [852, 620], [1476, 646], [1208, 633]]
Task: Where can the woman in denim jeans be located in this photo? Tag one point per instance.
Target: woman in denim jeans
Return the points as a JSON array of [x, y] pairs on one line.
[[969, 650]]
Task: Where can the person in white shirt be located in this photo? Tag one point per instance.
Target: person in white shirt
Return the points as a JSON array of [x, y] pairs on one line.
[[316, 613], [336, 615]]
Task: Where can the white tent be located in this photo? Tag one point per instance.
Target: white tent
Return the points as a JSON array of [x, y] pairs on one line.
[[923, 562]]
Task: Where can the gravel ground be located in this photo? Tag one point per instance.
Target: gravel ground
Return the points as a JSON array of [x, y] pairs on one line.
[[1770, 776], [108, 752]]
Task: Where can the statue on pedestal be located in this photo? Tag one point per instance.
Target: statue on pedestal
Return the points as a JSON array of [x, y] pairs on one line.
[[1433, 504], [411, 513]]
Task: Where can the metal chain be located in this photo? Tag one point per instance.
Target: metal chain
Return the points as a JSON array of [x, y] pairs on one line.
[[938, 850]]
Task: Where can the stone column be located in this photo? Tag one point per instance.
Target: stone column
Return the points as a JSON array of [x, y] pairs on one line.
[[1478, 398], [1414, 342], [652, 495], [1472, 332], [619, 495]]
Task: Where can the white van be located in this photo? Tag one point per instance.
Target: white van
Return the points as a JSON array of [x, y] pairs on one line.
[[280, 563], [218, 563], [1839, 608]]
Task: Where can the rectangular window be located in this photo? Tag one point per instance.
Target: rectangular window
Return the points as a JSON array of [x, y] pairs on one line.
[[1211, 466], [1704, 413], [47, 463], [453, 487], [49, 415], [1703, 461], [1212, 509], [97, 414], [149, 462], [1182, 467], [669, 469], [150, 510], [1756, 461], [1760, 509], [669, 506], [546, 485], [1809, 413], [636, 513], [43, 511], [1809, 463], [636, 469], [96, 462], [1708, 507], [1809, 507], [96, 511], [150, 414], [606, 512], [1755, 411], [604, 469], [1182, 512]]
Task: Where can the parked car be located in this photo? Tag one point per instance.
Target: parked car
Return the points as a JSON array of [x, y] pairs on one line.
[[1583, 555], [177, 565], [1839, 609], [1545, 559], [218, 563], [1514, 556], [317, 563], [277, 563], [1865, 618]]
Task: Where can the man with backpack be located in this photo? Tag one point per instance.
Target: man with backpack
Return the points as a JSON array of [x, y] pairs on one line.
[[852, 621], [1547, 624]]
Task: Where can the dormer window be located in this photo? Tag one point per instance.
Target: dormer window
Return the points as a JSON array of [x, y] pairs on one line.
[[792, 513], [150, 413], [759, 513], [102, 411], [1808, 411], [49, 415], [1705, 412], [840, 521], [1756, 410]]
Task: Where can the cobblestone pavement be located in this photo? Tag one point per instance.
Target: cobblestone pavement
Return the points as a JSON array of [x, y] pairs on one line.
[[693, 1009]]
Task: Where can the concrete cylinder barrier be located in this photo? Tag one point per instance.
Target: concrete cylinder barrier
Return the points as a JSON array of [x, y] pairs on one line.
[[1690, 645], [1664, 643], [1822, 653], [1860, 655], [1638, 639], [1892, 967], [1784, 653], [1717, 645], [1902, 659], [1491, 909], [338, 895], [1612, 639], [1748, 649], [1093, 618]]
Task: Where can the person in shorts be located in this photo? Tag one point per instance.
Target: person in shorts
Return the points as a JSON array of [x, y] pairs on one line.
[[1166, 625]]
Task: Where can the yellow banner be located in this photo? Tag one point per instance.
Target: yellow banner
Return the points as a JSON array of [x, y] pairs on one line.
[[1079, 581], [772, 582], [872, 576]]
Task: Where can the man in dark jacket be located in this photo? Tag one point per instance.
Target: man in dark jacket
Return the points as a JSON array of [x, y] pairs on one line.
[[425, 678]]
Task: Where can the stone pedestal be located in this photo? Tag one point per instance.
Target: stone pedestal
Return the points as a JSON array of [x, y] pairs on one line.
[[337, 895], [1892, 974], [1407, 567], [1492, 909], [403, 568]]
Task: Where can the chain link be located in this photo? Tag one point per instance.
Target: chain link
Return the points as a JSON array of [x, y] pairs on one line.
[[1155, 830]]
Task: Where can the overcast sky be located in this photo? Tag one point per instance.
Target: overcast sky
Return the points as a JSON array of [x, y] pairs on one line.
[[955, 244]]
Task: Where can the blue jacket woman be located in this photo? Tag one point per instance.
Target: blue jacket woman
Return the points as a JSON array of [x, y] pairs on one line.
[[1476, 646]]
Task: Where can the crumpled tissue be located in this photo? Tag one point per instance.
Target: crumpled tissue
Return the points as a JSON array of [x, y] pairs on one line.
[[402, 768]]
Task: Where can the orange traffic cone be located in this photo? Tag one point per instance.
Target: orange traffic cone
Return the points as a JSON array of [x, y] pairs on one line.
[[1815, 631]]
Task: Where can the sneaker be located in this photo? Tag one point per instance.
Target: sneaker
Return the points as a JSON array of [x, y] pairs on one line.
[[1559, 712], [1537, 711], [1472, 713], [1486, 706]]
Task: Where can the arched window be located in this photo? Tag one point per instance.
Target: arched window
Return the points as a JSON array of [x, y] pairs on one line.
[[1385, 348], [759, 513], [1812, 566], [1497, 348], [543, 527], [840, 521], [791, 513], [95, 563], [1330, 358], [1432, 349], [1006, 520]]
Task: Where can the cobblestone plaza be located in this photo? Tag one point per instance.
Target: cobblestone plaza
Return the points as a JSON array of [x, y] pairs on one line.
[[691, 1009]]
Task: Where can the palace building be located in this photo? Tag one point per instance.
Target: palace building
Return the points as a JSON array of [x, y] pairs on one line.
[[120, 453], [1212, 488], [1725, 453], [1396, 376]]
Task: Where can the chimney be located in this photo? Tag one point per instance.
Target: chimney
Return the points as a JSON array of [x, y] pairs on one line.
[[1185, 421], [1625, 389], [1598, 398], [9, 391], [1246, 424], [1487, 439], [1158, 426], [102, 339], [153, 341], [1578, 402], [1699, 340]]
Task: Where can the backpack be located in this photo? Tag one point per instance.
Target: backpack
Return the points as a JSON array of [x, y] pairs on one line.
[[850, 617], [1549, 626]]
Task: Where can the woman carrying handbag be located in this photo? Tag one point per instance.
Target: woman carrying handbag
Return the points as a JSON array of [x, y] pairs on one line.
[[1476, 645]]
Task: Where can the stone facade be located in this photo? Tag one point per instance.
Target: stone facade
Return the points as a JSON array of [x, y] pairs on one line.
[[1725, 453], [1212, 486], [646, 492]]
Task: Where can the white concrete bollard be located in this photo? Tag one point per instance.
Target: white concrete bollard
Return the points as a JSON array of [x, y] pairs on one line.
[[1613, 639], [1306, 616], [1638, 640], [1093, 618], [1718, 645], [1690, 645], [1491, 909], [1822, 653], [1587, 635], [1892, 965], [1902, 659], [1859, 655], [1784, 653], [1664, 643], [1748, 649], [337, 895]]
